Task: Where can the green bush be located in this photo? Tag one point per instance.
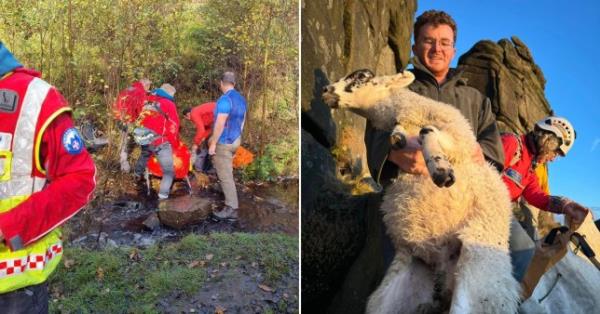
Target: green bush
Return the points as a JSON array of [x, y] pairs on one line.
[[279, 159]]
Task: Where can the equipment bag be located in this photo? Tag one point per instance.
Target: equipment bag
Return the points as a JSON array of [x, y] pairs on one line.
[[547, 253], [144, 136]]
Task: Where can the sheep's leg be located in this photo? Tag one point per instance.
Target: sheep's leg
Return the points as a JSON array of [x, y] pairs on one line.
[[438, 165], [484, 283], [406, 288]]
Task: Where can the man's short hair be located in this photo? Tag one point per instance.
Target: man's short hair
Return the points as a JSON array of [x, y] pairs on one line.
[[186, 111], [228, 77], [169, 89], [436, 18]]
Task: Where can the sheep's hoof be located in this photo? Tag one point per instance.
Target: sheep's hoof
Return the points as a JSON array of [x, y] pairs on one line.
[[443, 177], [398, 140]]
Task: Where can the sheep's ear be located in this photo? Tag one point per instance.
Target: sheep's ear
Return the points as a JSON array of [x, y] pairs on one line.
[[403, 79]]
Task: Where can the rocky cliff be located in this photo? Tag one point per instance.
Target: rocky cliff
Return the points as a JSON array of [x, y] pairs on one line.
[[339, 36], [506, 72]]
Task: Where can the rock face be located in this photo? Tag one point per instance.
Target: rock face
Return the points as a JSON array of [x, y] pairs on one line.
[[183, 211], [340, 36], [507, 74]]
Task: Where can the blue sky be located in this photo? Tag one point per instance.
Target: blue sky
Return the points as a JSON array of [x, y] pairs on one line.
[[564, 39]]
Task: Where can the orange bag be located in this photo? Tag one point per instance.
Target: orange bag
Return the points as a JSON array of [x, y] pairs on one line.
[[181, 162], [242, 158]]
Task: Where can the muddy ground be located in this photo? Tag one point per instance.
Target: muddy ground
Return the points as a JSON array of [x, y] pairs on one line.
[[115, 219]]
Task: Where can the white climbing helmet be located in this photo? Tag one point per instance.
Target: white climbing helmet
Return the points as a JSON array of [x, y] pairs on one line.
[[560, 127]]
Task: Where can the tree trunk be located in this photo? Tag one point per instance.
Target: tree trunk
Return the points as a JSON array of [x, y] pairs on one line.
[[265, 84]]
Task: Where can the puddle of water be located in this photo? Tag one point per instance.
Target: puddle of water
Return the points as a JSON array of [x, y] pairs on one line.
[[284, 194], [270, 207]]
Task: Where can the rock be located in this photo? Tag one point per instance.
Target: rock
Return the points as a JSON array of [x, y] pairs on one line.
[[79, 241], [127, 206], [183, 211], [337, 38], [111, 244], [151, 222], [146, 242], [506, 72]]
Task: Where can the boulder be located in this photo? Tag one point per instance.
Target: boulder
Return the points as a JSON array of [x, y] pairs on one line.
[[506, 72], [183, 211], [151, 222], [340, 36], [333, 226]]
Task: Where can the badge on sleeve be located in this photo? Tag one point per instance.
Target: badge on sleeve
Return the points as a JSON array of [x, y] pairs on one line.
[[72, 141], [8, 100], [514, 176]]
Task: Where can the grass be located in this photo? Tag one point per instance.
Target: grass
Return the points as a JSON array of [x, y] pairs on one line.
[[132, 280]]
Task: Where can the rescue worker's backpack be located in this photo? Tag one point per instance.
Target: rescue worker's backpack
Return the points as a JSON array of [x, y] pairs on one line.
[[518, 153], [142, 135]]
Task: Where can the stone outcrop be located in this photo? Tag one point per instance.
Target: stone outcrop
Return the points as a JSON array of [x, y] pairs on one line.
[[340, 36], [507, 74], [183, 211]]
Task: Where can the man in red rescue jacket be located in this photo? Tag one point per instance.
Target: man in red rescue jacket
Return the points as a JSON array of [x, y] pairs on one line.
[[159, 118], [203, 117], [551, 137], [126, 110], [42, 156]]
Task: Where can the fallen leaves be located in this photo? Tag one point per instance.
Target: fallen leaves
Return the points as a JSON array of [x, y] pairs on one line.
[[134, 255], [100, 274], [196, 263], [68, 263], [265, 288]]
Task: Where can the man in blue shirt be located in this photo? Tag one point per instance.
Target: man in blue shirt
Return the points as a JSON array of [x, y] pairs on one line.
[[230, 114]]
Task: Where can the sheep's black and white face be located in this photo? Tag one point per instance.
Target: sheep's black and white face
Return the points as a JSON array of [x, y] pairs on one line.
[[361, 88], [347, 85], [357, 79]]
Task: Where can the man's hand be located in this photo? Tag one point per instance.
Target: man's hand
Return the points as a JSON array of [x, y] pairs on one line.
[[574, 214], [212, 147], [409, 159]]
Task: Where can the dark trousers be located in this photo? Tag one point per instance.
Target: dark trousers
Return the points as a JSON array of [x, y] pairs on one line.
[[28, 300], [202, 162]]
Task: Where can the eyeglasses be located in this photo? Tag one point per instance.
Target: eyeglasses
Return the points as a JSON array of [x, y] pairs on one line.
[[444, 43]]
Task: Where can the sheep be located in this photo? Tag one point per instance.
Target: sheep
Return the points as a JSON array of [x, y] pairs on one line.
[[451, 229]]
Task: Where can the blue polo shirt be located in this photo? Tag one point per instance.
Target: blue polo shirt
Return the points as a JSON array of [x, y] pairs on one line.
[[233, 104]]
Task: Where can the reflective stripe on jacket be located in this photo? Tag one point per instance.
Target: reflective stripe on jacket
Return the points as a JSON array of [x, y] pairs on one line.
[[518, 175], [30, 179]]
